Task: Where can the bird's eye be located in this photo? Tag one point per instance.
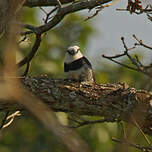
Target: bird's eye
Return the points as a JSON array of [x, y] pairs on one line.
[[71, 52]]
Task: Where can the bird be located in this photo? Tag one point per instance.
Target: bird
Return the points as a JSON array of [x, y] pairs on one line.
[[77, 67]]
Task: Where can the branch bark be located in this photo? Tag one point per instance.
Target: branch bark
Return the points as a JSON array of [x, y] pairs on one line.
[[114, 102], [37, 3]]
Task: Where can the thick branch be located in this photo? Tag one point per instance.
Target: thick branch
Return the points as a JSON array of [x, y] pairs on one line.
[[62, 12], [114, 102], [37, 3]]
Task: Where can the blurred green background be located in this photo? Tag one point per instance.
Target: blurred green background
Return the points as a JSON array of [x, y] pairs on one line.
[[26, 134]]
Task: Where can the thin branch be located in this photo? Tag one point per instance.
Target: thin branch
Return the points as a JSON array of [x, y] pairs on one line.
[[142, 148], [27, 69], [16, 113], [22, 40], [48, 14], [86, 122], [120, 55], [11, 117], [138, 61], [9, 123], [35, 47], [135, 61], [59, 4], [136, 7], [137, 125], [7, 117], [123, 130], [149, 17], [26, 32], [32, 29], [140, 42], [98, 9], [43, 10], [124, 65], [4, 120], [130, 58]]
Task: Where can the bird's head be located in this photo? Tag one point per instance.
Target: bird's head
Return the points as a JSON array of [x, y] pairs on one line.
[[73, 53], [73, 50]]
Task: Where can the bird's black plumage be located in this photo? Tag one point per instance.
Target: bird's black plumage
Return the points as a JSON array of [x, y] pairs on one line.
[[75, 65]]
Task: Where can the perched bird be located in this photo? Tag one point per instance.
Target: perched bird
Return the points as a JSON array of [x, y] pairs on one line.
[[77, 67]]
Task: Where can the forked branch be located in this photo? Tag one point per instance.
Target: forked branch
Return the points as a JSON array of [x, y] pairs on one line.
[[29, 57], [137, 65]]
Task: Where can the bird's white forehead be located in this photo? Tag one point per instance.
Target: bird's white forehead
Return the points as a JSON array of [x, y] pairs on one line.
[[75, 47]]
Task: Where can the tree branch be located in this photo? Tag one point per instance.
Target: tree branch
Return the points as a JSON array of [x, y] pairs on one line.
[[37, 3], [35, 47], [114, 102], [140, 147], [62, 12], [140, 42], [138, 66]]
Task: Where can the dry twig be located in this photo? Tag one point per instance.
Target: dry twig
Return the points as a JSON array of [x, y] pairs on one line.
[[136, 7], [139, 67], [82, 122], [137, 125], [100, 8], [142, 148], [48, 14], [140, 42], [9, 118]]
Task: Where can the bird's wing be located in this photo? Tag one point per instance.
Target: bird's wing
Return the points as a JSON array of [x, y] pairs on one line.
[[86, 61], [75, 65], [66, 67]]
